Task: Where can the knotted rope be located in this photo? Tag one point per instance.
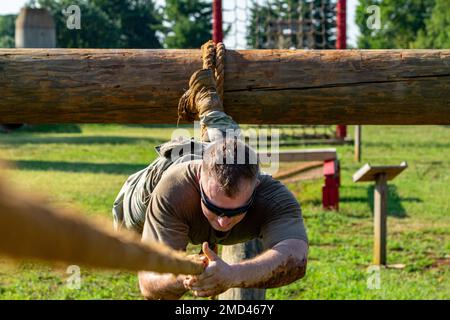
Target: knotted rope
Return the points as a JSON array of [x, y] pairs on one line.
[[213, 56]]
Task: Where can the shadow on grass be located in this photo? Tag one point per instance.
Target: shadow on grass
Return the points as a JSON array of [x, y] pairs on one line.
[[111, 168], [51, 128], [19, 139], [395, 207], [411, 144]]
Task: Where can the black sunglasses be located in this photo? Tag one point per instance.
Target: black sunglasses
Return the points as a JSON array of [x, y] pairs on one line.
[[221, 212]]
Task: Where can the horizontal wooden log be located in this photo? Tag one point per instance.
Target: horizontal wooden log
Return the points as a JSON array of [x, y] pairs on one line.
[[261, 86]]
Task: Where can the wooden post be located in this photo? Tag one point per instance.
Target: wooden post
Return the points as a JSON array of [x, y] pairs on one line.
[[261, 86], [357, 142], [237, 253], [380, 217], [379, 174]]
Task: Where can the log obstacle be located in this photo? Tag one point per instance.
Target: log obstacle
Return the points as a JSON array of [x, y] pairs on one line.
[[261, 86], [31, 229]]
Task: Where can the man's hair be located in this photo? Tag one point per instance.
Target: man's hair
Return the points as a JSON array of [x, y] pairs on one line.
[[230, 161]]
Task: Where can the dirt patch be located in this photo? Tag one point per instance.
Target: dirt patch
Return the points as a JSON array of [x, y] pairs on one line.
[[441, 263]]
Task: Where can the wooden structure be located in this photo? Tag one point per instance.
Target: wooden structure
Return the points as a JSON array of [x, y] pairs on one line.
[[331, 171], [35, 28], [379, 174], [357, 143], [276, 87]]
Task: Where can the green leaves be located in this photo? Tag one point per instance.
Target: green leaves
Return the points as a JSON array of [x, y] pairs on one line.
[[405, 24], [188, 23]]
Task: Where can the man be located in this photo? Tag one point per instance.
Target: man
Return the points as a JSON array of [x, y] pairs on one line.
[[183, 198]]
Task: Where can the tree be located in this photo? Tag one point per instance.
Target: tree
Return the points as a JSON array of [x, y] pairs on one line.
[[401, 22], [107, 23], [292, 23], [436, 34], [188, 23], [7, 30]]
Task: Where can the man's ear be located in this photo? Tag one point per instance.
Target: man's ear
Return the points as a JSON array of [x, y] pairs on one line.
[[257, 182]]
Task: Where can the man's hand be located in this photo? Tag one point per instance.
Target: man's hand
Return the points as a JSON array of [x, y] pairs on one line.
[[216, 278]]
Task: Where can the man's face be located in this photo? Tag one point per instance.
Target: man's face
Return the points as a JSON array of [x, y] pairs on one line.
[[217, 197]]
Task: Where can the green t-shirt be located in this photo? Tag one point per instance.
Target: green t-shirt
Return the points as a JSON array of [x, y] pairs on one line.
[[174, 215]]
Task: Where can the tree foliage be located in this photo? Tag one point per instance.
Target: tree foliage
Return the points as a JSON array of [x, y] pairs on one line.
[[107, 23], [436, 33], [7, 27], [188, 23], [401, 23]]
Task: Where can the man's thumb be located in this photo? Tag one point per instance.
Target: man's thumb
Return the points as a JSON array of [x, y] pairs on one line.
[[210, 254]]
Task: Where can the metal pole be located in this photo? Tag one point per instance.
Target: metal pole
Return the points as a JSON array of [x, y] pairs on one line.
[[217, 21], [341, 43]]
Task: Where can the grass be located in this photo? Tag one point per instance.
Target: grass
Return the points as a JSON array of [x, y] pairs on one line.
[[84, 166]]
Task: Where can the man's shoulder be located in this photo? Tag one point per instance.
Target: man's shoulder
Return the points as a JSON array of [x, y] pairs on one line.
[[271, 193], [179, 180], [187, 169]]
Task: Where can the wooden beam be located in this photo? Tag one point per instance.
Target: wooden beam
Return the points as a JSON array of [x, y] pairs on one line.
[[306, 155], [261, 86]]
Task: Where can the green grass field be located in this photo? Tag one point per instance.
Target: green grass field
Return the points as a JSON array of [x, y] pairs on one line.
[[85, 166]]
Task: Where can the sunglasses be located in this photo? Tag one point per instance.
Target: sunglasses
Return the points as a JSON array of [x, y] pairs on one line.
[[221, 212]]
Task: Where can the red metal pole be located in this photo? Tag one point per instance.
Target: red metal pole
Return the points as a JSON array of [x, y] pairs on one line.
[[217, 21], [341, 43]]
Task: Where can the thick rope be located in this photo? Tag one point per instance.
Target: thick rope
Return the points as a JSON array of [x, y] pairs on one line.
[[30, 229], [220, 68], [213, 57]]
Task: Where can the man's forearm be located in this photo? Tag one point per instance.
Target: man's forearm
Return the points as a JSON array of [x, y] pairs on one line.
[[279, 266], [156, 286]]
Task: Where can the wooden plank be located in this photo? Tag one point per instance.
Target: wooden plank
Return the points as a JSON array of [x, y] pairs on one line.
[[380, 217], [305, 155], [297, 169], [370, 173], [261, 86]]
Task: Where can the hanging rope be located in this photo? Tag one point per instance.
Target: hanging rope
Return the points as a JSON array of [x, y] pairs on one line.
[[213, 56], [213, 59], [220, 68]]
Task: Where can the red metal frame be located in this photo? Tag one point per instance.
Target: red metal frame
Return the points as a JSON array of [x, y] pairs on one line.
[[330, 190], [341, 43], [217, 21]]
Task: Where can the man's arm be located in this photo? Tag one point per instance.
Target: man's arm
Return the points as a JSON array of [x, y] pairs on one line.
[[166, 286], [278, 266], [155, 286], [282, 264]]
